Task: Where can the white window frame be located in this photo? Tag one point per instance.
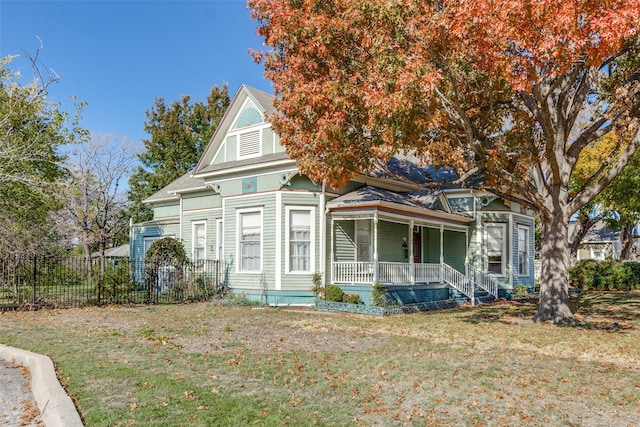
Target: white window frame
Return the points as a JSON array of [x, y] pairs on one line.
[[597, 253], [370, 250], [194, 245], [503, 250], [147, 241], [312, 235], [239, 214], [527, 236]]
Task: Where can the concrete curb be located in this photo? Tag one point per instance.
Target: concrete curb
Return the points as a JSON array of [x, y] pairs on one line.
[[56, 407]]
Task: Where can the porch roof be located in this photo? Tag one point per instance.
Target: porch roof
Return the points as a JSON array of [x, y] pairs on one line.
[[429, 203]]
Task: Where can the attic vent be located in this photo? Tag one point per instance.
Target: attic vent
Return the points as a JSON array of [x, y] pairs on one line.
[[249, 144]]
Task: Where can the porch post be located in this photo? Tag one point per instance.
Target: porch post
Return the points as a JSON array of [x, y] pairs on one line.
[[332, 274], [412, 267], [375, 248], [441, 250]]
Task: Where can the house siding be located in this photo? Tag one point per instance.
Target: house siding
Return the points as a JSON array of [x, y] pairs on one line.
[[454, 249], [390, 238], [344, 241], [431, 244]]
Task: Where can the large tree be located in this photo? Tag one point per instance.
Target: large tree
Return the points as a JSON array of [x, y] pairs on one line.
[[490, 87], [32, 129], [93, 196], [179, 133]]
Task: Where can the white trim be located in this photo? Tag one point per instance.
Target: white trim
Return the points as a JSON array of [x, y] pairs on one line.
[[278, 254], [181, 221], [235, 178], [193, 239], [527, 230], [312, 233], [239, 213], [503, 227], [219, 239], [245, 168], [202, 210]]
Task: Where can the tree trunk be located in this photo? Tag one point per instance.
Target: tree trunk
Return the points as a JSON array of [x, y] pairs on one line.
[[554, 279], [626, 238]]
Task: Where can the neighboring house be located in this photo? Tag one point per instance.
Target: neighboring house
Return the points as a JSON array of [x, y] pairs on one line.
[[600, 243], [247, 204]]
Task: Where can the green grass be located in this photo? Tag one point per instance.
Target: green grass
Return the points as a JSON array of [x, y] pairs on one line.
[[213, 365]]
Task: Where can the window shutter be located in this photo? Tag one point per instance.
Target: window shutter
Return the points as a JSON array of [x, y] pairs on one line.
[[249, 144]]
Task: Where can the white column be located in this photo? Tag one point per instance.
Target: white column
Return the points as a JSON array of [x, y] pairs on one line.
[[411, 254], [278, 254], [375, 248]]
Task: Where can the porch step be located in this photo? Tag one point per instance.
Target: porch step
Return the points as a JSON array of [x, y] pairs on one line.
[[482, 296]]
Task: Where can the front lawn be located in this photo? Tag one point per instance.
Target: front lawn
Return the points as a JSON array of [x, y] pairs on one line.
[[208, 364]]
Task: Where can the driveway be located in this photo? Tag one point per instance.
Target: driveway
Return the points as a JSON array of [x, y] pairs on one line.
[[17, 404]]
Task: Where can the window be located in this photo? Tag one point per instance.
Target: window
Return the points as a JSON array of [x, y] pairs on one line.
[[250, 241], [496, 249], [199, 233], [597, 253], [523, 251], [363, 241], [300, 238]]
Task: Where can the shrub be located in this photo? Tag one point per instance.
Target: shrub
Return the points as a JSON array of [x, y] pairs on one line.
[[352, 299], [316, 285], [378, 295], [607, 275], [333, 293], [166, 251], [521, 291]]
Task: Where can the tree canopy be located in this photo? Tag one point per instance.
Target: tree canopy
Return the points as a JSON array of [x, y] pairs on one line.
[[32, 129], [179, 133], [488, 87]]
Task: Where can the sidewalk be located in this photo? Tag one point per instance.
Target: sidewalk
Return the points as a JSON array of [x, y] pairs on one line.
[[39, 392]]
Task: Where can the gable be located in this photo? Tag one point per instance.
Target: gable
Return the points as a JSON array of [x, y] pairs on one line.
[[244, 132]]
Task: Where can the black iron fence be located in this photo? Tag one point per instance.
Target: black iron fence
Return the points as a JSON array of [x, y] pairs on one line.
[[38, 282]]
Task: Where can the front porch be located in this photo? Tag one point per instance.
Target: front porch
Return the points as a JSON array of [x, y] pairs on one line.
[[412, 276]]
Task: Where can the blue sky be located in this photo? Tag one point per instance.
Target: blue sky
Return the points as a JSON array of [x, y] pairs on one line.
[[119, 55]]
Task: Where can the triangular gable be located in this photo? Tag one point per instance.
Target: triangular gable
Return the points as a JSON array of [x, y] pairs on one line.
[[247, 111]]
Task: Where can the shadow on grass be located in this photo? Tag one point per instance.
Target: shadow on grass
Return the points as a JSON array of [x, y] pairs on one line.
[[596, 306], [497, 311], [621, 306]]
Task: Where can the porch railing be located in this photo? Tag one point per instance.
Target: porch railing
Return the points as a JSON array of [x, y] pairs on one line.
[[407, 273], [483, 280], [353, 272]]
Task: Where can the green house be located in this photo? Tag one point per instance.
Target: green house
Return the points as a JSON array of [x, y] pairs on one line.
[[247, 205]]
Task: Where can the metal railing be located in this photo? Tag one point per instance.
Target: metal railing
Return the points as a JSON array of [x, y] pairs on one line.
[[72, 281]]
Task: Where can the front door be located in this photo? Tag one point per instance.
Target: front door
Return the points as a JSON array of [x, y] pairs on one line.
[[417, 245]]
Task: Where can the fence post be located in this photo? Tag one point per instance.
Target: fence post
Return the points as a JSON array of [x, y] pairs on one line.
[[35, 278]]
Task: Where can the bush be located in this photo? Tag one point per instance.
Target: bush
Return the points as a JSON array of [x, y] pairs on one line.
[[352, 299], [166, 251], [333, 293], [317, 286], [521, 291], [606, 276], [378, 295]]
